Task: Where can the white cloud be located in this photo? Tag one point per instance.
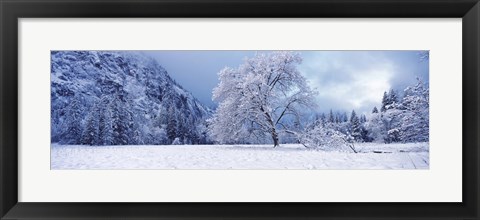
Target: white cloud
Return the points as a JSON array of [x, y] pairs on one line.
[[348, 80]]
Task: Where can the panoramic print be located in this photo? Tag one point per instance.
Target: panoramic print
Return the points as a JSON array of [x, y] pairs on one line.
[[239, 110]]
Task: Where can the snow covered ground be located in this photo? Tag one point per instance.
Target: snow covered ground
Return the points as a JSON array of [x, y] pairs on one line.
[[287, 156]]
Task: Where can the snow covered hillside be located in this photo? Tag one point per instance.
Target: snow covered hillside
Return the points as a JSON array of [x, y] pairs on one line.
[[120, 98], [287, 156]]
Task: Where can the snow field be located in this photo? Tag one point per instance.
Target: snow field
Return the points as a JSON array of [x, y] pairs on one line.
[[287, 156]]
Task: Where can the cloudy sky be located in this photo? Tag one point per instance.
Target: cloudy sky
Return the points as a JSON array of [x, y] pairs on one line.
[[345, 80]]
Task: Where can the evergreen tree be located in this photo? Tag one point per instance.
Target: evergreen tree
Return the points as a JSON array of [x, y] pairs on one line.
[[392, 120], [73, 118], [105, 123], [392, 98], [121, 122], [172, 124], [91, 131], [363, 119], [353, 115], [137, 138], [415, 117], [376, 126], [365, 134], [323, 119], [375, 110], [385, 102], [182, 131], [331, 118], [356, 128], [388, 122], [344, 117]]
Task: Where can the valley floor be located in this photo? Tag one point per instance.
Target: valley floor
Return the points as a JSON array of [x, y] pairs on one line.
[[287, 156]]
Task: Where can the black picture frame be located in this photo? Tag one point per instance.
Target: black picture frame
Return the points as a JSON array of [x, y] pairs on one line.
[[12, 10]]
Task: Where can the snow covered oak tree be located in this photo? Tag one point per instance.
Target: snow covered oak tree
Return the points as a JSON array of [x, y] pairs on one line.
[[260, 98]]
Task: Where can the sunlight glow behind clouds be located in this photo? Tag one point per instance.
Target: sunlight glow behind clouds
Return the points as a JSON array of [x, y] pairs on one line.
[[349, 80]]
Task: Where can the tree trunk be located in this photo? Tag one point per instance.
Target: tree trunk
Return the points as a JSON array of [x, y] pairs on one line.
[[273, 132], [275, 138]]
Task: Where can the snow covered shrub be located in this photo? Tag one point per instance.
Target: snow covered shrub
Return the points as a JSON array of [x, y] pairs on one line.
[[393, 135], [325, 138], [176, 141]]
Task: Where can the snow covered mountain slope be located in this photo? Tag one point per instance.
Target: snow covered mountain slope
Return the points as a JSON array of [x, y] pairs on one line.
[[119, 98]]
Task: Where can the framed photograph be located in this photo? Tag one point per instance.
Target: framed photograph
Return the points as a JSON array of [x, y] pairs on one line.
[[226, 109], [124, 110]]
